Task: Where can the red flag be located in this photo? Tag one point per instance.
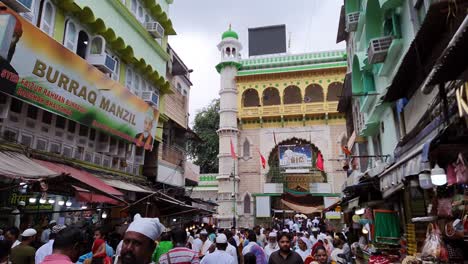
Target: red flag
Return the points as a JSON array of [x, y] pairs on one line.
[[319, 163], [262, 159], [346, 150], [233, 152]]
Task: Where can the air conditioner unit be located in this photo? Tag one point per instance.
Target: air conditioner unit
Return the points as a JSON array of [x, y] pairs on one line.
[[27, 140], [352, 20], [378, 49], [104, 62], [155, 29], [41, 144], [67, 151], [20, 6], [151, 98]]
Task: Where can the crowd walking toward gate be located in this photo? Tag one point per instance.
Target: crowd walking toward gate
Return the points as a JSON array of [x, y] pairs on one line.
[[146, 241]]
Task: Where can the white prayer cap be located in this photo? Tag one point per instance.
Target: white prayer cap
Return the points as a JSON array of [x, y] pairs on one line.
[[52, 222], [221, 239], [29, 232], [203, 232], [285, 230], [272, 234], [150, 227]]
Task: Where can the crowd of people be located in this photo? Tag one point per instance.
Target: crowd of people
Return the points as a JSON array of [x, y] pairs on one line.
[[147, 241]]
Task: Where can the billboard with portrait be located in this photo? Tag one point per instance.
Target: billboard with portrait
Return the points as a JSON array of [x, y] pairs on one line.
[[295, 156], [39, 70]]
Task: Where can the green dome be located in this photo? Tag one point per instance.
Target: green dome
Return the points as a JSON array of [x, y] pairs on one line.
[[230, 34]]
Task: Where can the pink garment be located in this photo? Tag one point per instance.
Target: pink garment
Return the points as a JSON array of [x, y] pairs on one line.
[[56, 259]]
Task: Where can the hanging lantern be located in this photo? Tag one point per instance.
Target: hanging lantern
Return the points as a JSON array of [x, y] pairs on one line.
[[438, 176], [425, 181]]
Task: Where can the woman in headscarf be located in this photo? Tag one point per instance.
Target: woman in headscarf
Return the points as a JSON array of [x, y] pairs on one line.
[[328, 244], [304, 247], [99, 253], [318, 257]]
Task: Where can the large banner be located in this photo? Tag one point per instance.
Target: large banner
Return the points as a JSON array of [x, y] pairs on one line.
[[295, 156], [37, 69]]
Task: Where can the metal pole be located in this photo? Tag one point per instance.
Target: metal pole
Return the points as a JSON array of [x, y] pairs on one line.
[[234, 193]]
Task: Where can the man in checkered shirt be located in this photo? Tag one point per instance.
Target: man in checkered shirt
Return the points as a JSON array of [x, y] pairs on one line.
[[180, 254]]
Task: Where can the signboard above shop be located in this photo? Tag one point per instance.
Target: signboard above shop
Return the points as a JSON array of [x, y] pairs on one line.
[[39, 70]]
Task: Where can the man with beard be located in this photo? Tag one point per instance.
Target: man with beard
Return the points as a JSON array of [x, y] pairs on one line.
[[138, 243], [285, 255], [272, 245]]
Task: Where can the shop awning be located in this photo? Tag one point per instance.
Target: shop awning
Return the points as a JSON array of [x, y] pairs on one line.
[[84, 195], [16, 165], [93, 183], [410, 162], [301, 208], [126, 186]]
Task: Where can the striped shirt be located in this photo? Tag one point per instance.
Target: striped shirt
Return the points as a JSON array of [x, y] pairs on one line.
[[180, 255]]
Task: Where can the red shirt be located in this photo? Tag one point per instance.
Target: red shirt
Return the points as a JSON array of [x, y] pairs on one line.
[[56, 259]]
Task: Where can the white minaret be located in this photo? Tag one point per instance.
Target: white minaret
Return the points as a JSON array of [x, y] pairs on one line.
[[227, 187]]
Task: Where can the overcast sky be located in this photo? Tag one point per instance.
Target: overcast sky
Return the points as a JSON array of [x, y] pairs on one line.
[[199, 24]]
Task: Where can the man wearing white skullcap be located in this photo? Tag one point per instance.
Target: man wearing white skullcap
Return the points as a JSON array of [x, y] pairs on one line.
[[24, 252], [138, 243], [202, 244], [272, 245], [220, 256]]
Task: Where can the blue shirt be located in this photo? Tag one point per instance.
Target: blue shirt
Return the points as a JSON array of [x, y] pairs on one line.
[[109, 252]]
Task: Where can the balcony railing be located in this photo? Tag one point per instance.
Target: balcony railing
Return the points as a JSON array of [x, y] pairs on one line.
[[289, 109]]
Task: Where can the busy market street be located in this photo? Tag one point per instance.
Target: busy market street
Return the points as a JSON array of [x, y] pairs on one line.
[[233, 132]]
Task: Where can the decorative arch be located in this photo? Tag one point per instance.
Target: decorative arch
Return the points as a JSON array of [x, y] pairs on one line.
[[271, 96], [373, 20], [250, 98], [247, 204], [313, 94], [334, 91], [275, 171], [356, 76], [246, 148], [292, 95]]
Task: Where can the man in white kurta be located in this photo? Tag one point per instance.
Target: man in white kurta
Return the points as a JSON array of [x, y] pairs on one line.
[[219, 256], [272, 245]]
